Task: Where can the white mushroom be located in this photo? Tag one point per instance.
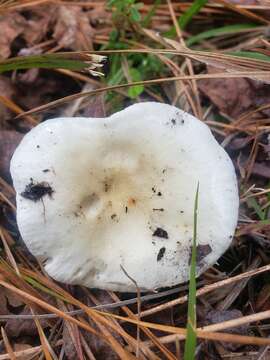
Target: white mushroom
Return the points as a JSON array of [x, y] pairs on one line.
[[95, 195]]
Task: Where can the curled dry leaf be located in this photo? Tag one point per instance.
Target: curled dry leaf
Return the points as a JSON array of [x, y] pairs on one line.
[[8, 301], [17, 327], [263, 299], [74, 338], [235, 96], [101, 349], [9, 140], [11, 25], [261, 168], [32, 27], [73, 29], [40, 21], [7, 90], [71, 335], [217, 316], [95, 106]]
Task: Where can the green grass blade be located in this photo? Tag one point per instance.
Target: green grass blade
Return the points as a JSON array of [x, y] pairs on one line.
[[190, 344], [250, 55], [185, 19], [78, 62], [192, 11], [224, 30], [146, 20], [43, 288], [254, 204]]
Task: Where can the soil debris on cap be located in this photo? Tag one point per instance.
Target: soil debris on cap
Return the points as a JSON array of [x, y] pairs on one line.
[[159, 232], [202, 252], [36, 191], [161, 253]]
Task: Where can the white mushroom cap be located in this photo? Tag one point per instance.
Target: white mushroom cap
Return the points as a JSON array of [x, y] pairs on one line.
[[97, 194]]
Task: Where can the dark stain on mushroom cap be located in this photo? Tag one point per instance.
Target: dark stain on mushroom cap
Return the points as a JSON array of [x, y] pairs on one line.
[[36, 191], [202, 252], [161, 253], [159, 232]]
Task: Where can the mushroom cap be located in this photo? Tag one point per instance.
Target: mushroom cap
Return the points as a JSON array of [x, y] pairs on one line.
[[99, 195]]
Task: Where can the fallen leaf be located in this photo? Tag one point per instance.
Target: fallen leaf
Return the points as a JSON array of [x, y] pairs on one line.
[[39, 23], [7, 90], [8, 300], [11, 26], [262, 169], [9, 140], [263, 298], [17, 327], [99, 16], [217, 316], [44, 89], [29, 76], [100, 349], [240, 142], [71, 341], [234, 96], [73, 29], [95, 106]]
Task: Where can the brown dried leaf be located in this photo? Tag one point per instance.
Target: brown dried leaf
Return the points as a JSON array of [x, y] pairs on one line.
[[39, 23], [263, 299], [8, 90], [71, 341], [240, 142], [11, 25], [18, 327], [42, 90], [9, 140], [100, 349], [21, 347], [217, 316], [234, 96], [73, 29], [8, 300], [95, 106], [99, 16], [262, 169], [29, 76]]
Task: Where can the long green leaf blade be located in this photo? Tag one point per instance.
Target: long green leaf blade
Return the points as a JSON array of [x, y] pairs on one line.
[[192, 11], [185, 19], [190, 344], [250, 55], [70, 61], [224, 30]]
